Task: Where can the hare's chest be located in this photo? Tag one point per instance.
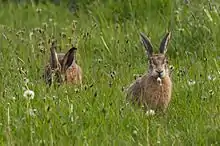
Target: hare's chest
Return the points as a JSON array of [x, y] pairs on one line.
[[159, 95]]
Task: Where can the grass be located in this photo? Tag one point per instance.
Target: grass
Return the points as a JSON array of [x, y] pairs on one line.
[[110, 54]]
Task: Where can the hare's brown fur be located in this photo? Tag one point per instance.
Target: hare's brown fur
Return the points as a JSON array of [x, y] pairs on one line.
[[146, 90], [73, 73], [64, 68]]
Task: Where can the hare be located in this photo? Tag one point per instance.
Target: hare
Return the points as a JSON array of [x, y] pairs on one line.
[[153, 90], [62, 67]]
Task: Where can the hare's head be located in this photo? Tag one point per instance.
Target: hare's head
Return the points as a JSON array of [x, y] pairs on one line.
[[59, 63], [158, 63]]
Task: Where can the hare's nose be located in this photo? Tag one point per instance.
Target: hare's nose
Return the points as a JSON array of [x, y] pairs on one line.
[[160, 73]]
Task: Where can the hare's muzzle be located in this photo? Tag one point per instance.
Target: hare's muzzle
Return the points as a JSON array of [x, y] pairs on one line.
[[161, 74]]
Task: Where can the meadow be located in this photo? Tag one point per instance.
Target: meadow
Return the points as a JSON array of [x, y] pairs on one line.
[[106, 34]]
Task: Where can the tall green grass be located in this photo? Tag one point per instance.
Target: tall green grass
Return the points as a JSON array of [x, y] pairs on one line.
[[106, 34]]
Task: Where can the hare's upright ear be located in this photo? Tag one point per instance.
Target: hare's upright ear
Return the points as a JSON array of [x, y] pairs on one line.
[[164, 43], [69, 58], [147, 44], [54, 63]]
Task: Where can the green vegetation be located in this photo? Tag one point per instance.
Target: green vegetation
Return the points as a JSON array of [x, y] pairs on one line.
[[106, 34]]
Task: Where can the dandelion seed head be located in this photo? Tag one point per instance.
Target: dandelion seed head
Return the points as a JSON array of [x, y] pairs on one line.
[[29, 94]]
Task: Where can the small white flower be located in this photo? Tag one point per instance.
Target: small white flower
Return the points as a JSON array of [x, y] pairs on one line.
[[13, 98], [150, 112], [30, 35], [38, 10], [32, 112], [29, 94], [211, 92], [54, 97], [26, 80], [203, 97], [45, 25], [211, 77], [191, 82], [99, 60], [23, 88], [135, 132]]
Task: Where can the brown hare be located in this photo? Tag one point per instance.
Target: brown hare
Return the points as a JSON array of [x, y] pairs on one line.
[[153, 90], [62, 67]]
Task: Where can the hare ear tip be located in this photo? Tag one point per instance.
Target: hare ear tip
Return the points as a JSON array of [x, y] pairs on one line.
[[53, 44], [169, 33], [142, 34], [73, 48]]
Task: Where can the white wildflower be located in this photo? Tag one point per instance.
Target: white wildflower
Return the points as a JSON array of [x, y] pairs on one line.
[[13, 98], [211, 92], [38, 10], [30, 35], [191, 82], [26, 80], [32, 112], [211, 77], [150, 112], [23, 88], [203, 97], [29, 94], [135, 132], [54, 97]]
